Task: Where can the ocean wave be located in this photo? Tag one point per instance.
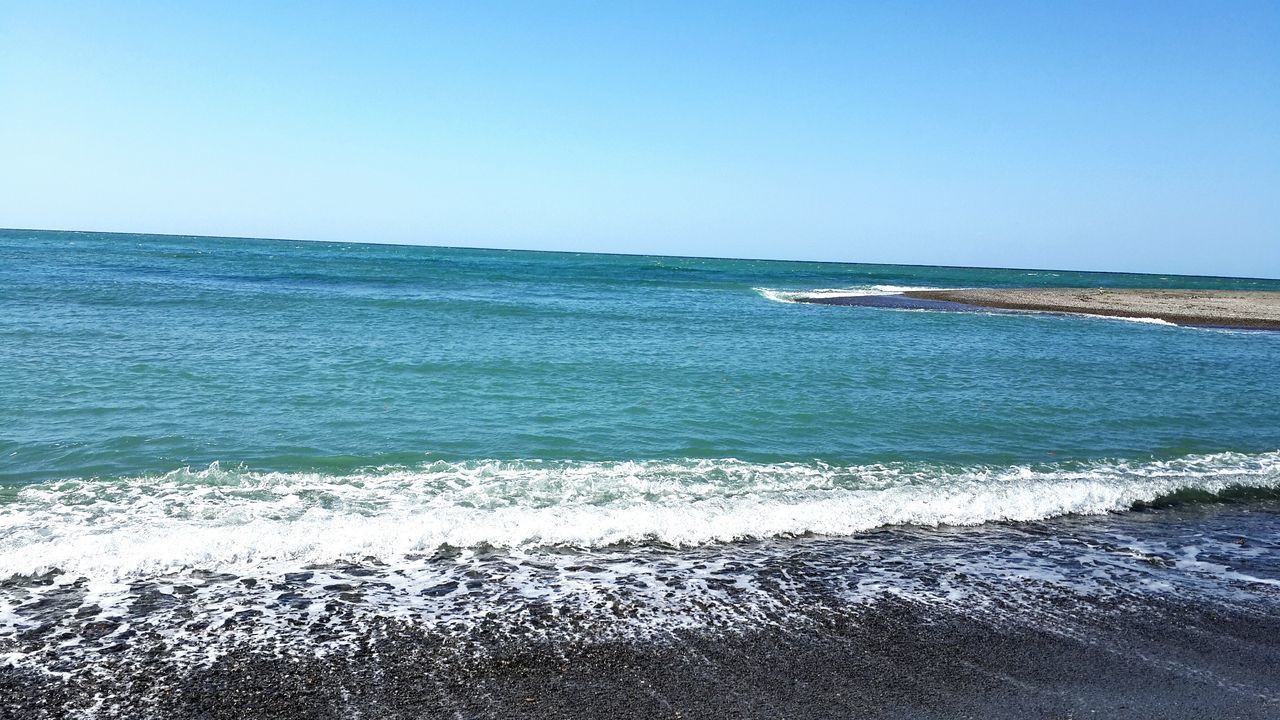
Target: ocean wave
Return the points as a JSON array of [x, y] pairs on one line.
[[220, 518], [1142, 320], [803, 296], [796, 296]]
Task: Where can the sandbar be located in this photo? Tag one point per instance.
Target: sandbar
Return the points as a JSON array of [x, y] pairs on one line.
[[1250, 309]]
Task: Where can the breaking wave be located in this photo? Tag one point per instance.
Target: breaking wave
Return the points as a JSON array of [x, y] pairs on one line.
[[228, 518], [794, 296]]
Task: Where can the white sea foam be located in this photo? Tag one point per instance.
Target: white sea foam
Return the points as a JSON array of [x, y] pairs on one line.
[[794, 296], [236, 520], [799, 296], [1143, 320]]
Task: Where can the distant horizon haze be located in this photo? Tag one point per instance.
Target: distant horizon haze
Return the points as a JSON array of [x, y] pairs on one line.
[[1117, 137], [636, 254]]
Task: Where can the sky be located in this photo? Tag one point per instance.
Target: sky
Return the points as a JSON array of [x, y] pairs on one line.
[[1116, 135]]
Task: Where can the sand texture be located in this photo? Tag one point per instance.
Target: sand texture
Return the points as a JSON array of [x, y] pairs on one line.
[[1218, 308]]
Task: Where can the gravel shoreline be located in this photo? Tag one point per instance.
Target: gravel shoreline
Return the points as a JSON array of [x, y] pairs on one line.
[[1161, 613], [894, 659], [1215, 308]]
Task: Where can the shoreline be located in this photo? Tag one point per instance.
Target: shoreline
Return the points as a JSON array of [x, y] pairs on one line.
[[1251, 310], [1226, 309], [897, 658], [1070, 617]]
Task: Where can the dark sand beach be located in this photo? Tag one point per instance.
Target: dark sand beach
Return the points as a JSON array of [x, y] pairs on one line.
[[1075, 617], [1209, 308], [895, 659]]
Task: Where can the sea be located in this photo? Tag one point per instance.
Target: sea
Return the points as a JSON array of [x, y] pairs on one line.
[[218, 448]]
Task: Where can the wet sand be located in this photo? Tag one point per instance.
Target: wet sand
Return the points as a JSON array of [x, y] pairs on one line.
[[1074, 617], [1213, 308], [895, 659]]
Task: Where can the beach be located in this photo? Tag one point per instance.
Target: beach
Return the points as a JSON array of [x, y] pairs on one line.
[[1044, 620], [605, 361]]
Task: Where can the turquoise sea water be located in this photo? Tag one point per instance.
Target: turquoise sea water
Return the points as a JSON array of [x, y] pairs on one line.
[[354, 400], [128, 355]]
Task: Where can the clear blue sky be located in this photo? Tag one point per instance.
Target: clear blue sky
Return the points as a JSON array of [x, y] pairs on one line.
[[1117, 135]]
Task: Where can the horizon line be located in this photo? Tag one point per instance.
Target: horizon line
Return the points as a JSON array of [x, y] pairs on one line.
[[627, 254]]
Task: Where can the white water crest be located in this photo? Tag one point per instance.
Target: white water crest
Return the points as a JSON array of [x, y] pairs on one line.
[[236, 519], [800, 296], [795, 296], [1143, 320]]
